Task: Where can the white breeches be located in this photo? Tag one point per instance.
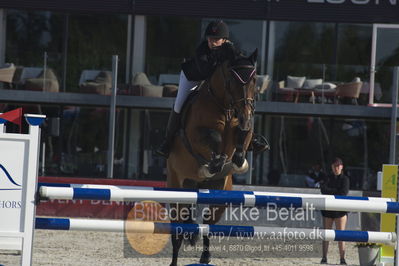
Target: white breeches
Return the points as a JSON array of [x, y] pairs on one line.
[[185, 88]]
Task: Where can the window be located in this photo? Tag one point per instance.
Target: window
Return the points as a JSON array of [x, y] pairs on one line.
[[169, 41], [34, 39], [300, 48], [353, 52], [92, 41]]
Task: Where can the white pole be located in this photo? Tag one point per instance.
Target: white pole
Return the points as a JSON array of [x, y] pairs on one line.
[[44, 71], [43, 165]]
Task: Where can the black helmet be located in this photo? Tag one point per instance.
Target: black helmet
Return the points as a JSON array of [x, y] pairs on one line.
[[217, 29]]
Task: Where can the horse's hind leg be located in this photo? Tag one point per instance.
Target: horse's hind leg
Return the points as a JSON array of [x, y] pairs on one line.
[[216, 213], [173, 181], [192, 239], [177, 240], [206, 255]]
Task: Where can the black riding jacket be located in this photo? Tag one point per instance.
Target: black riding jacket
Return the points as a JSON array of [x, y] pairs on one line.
[[202, 65], [335, 185]]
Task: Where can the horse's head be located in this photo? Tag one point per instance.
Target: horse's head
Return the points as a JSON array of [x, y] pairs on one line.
[[240, 82]]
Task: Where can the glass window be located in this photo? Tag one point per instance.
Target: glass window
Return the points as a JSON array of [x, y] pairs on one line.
[[300, 142], [34, 41], [84, 132], [387, 52], [300, 49], [92, 41], [353, 51], [353, 56], [169, 41]]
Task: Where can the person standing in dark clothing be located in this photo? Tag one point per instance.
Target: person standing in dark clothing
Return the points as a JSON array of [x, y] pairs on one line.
[[335, 184], [315, 175]]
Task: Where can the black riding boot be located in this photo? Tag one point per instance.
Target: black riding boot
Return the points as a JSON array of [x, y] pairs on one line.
[[173, 126]]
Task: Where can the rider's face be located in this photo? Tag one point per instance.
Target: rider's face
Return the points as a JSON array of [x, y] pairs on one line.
[[215, 42]]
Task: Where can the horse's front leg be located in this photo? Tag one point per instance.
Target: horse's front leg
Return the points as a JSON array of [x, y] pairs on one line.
[[240, 164], [212, 139]]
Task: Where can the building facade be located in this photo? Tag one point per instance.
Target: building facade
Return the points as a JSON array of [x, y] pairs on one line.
[[61, 53]]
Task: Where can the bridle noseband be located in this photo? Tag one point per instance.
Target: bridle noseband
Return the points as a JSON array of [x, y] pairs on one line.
[[246, 100]]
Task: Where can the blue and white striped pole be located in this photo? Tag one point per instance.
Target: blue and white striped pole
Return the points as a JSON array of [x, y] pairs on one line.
[[235, 198], [259, 193], [256, 232]]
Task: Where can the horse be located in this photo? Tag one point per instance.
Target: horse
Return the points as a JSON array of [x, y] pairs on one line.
[[215, 134]]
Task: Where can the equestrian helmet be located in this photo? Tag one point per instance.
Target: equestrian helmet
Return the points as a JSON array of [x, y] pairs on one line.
[[217, 29]]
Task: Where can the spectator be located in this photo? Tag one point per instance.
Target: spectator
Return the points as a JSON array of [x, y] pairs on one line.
[[335, 184], [315, 175]]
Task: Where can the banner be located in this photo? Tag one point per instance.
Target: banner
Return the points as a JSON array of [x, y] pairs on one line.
[[90, 208]]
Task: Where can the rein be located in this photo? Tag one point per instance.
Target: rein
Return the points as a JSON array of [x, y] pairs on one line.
[[228, 112]]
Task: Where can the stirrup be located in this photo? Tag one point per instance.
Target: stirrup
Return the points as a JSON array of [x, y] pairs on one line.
[[259, 144], [163, 151]]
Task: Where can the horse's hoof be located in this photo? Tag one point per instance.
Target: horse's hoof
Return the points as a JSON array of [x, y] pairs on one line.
[[217, 162], [205, 257], [242, 169], [204, 173], [238, 159]]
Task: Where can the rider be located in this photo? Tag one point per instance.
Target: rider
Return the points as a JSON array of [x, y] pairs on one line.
[[215, 49]]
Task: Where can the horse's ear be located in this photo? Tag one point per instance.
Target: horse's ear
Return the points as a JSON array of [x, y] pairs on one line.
[[253, 57]]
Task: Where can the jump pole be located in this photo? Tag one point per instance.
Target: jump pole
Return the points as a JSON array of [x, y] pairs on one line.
[[212, 230], [233, 198], [259, 193]]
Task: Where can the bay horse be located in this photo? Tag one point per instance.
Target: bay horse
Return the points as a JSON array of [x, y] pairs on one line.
[[211, 145]]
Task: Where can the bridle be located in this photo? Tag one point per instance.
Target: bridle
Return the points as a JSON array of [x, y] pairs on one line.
[[231, 109], [247, 100]]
